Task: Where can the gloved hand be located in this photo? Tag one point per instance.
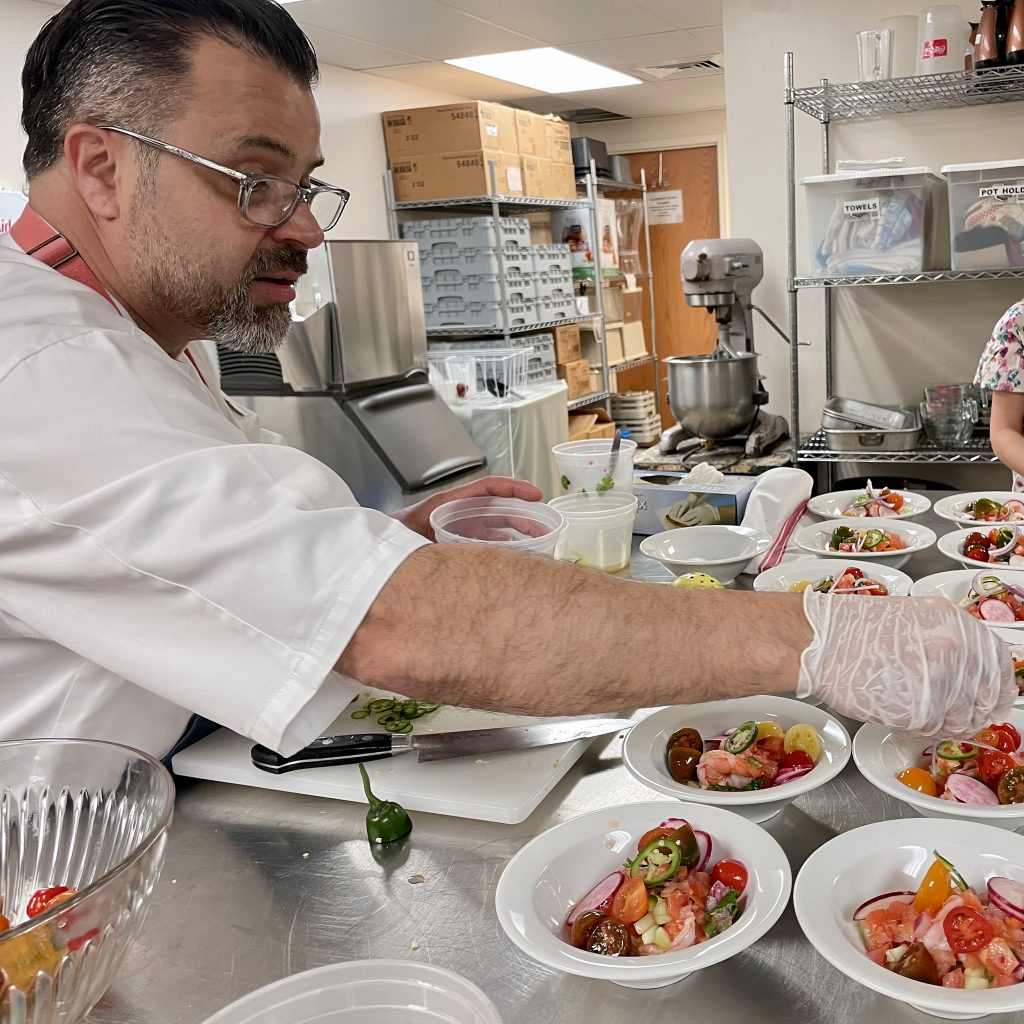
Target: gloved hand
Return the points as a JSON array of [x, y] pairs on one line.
[[915, 664], [701, 514]]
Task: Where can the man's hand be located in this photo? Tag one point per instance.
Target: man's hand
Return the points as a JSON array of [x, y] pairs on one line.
[[417, 517]]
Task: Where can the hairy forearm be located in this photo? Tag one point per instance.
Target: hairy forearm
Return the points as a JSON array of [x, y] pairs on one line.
[[484, 628]]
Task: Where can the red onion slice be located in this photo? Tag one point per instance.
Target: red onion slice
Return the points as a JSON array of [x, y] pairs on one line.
[[715, 894], [881, 902], [791, 774], [1007, 895], [705, 844], [673, 823], [1006, 548], [598, 897], [872, 493]]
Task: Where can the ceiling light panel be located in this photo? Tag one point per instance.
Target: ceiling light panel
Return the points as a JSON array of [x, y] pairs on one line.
[[545, 69]]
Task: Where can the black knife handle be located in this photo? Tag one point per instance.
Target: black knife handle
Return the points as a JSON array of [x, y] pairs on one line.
[[326, 751]]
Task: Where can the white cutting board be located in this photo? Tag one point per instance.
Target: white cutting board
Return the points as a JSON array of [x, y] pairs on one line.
[[503, 787]]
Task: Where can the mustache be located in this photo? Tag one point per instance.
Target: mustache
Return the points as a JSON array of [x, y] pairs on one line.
[[271, 261]]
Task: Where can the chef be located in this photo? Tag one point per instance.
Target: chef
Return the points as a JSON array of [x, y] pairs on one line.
[[161, 555]]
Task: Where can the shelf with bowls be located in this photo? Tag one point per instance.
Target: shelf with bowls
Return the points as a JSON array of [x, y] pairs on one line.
[[478, 331], [815, 448], [592, 399], [925, 277], [632, 364]]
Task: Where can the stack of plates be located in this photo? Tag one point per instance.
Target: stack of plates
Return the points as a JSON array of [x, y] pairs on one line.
[[637, 412]]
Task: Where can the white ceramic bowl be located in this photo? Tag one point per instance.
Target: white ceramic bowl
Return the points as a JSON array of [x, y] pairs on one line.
[[786, 574], [365, 992], [880, 753], [951, 545], [891, 856], [1014, 640], [721, 551], [643, 751], [815, 539], [955, 584], [831, 505], [952, 506], [548, 875]]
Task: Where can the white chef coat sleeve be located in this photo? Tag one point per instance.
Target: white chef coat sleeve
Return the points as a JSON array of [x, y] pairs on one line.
[[225, 577]]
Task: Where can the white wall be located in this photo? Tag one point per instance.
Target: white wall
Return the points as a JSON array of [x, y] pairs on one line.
[[890, 341], [350, 105]]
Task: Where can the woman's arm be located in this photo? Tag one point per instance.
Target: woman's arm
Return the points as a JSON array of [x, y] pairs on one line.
[[1005, 430]]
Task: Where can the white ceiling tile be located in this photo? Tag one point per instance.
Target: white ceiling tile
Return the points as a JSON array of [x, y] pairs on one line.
[[707, 93], [710, 40], [634, 51], [567, 21], [425, 28], [445, 78], [356, 54], [687, 13]]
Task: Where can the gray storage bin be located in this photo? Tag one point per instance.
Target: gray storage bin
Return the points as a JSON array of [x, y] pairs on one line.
[[452, 311], [478, 288], [552, 257], [475, 259], [556, 307], [517, 341], [476, 232], [549, 283], [541, 375]]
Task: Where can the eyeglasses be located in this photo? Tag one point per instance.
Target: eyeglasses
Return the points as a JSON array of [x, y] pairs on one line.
[[263, 199]]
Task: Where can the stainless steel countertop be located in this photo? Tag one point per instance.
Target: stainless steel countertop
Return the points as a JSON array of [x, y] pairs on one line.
[[259, 885]]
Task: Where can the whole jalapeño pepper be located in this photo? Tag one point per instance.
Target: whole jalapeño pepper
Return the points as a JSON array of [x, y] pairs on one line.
[[386, 821]]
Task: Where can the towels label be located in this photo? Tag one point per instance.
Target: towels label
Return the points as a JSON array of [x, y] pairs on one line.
[[863, 208], [1002, 192]]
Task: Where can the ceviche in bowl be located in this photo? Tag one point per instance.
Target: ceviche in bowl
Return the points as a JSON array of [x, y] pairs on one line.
[[982, 507], [752, 755], [1001, 546], [925, 911], [1014, 642], [891, 543], [643, 894], [972, 778], [831, 576], [869, 503], [995, 596]]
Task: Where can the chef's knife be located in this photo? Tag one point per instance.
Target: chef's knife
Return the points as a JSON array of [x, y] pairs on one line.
[[350, 749]]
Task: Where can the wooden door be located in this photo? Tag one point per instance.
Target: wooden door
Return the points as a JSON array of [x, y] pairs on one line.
[[682, 330]]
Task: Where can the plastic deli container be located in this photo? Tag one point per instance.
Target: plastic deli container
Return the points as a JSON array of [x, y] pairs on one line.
[[986, 214], [876, 222], [586, 466], [365, 992], [502, 522], [598, 529]]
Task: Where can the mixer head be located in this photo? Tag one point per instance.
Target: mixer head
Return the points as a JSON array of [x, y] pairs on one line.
[[717, 272]]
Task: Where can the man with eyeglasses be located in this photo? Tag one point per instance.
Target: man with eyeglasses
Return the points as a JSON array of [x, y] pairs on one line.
[[161, 555]]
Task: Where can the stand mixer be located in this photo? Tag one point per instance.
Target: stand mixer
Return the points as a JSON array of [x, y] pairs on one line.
[[717, 398]]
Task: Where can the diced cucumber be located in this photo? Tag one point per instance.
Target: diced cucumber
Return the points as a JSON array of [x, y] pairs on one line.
[[660, 913], [894, 956], [652, 901], [976, 977], [645, 924], [648, 936], [661, 939]]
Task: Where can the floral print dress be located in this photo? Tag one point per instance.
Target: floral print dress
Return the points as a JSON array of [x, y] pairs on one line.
[[1002, 363]]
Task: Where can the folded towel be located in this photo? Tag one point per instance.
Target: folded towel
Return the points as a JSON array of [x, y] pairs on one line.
[[775, 507]]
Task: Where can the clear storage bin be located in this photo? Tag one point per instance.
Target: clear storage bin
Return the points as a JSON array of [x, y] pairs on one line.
[[889, 221], [479, 375], [986, 214]]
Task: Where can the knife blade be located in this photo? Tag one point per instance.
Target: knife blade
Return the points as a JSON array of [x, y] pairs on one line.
[[352, 748]]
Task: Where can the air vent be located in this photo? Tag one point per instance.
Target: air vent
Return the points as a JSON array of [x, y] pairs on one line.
[[590, 115], [711, 65]]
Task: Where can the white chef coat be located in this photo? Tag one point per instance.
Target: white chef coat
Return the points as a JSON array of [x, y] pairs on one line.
[[159, 554]]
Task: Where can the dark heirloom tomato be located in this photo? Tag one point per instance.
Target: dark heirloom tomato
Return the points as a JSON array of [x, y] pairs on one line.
[[682, 763], [609, 938], [992, 766], [685, 738], [583, 926], [1011, 787], [918, 964]]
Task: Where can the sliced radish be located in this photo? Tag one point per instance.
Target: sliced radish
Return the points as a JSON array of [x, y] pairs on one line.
[[1015, 505], [1007, 895], [881, 902], [887, 512], [705, 844], [965, 790], [997, 611], [598, 897]]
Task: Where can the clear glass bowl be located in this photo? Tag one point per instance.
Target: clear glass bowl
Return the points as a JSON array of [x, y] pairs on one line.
[[93, 816]]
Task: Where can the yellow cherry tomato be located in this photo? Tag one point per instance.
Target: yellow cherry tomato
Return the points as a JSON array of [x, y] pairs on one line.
[[770, 729], [934, 890], [697, 581], [918, 779], [804, 737]]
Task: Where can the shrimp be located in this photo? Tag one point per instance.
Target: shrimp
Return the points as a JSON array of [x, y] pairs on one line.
[[720, 768]]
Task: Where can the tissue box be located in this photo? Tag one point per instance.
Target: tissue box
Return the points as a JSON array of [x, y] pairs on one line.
[[658, 492]]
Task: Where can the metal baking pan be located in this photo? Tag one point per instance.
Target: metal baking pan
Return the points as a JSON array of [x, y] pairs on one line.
[[844, 413], [873, 440]]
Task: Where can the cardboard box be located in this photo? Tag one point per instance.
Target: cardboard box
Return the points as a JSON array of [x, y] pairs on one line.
[[634, 344], [452, 128], [589, 335], [577, 378], [568, 348], [580, 425], [597, 380], [604, 426], [452, 175], [557, 140], [531, 135], [535, 176], [660, 495], [561, 180]]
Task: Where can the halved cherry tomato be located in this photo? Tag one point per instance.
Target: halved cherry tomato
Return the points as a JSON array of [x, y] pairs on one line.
[[976, 538], [976, 554], [46, 899], [4, 923], [934, 889], [730, 873], [630, 903], [583, 926], [990, 737], [966, 930], [1012, 736], [656, 833], [993, 765], [797, 759], [772, 747], [918, 779]]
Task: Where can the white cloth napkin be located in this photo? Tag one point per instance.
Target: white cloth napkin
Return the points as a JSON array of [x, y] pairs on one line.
[[774, 499]]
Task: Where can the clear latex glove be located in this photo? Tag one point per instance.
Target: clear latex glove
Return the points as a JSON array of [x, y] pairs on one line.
[[701, 514], [915, 664]]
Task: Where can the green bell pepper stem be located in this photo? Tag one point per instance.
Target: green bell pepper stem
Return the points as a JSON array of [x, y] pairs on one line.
[[386, 821]]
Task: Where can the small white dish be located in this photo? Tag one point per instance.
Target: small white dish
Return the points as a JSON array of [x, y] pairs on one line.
[[831, 505], [643, 751], [954, 585], [952, 506], [557, 868], [787, 574], [720, 551], [1014, 640], [881, 754], [815, 539], [892, 856], [951, 545]]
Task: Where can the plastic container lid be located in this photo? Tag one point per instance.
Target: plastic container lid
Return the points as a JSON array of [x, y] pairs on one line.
[[865, 172], [500, 522], [991, 165]]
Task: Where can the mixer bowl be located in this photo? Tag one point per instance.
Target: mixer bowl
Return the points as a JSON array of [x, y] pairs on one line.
[[713, 397]]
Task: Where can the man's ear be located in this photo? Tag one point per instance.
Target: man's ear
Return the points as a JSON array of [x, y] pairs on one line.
[[92, 157]]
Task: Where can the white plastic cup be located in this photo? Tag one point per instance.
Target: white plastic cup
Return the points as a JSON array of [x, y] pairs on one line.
[[586, 466], [500, 522], [598, 529], [942, 40], [874, 54], [904, 28]]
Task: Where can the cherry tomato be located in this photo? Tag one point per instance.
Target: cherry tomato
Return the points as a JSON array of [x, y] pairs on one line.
[[609, 938], [682, 763], [917, 963], [934, 889], [772, 747], [4, 923], [1011, 787], [656, 833], [730, 873], [583, 926], [797, 759], [976, 538], [966, 930], [990, 737], [919, 780], [1011, 735], [854, 572], [976, 554], [992, 766], [685, 738], [630, 903], [46, 899]]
